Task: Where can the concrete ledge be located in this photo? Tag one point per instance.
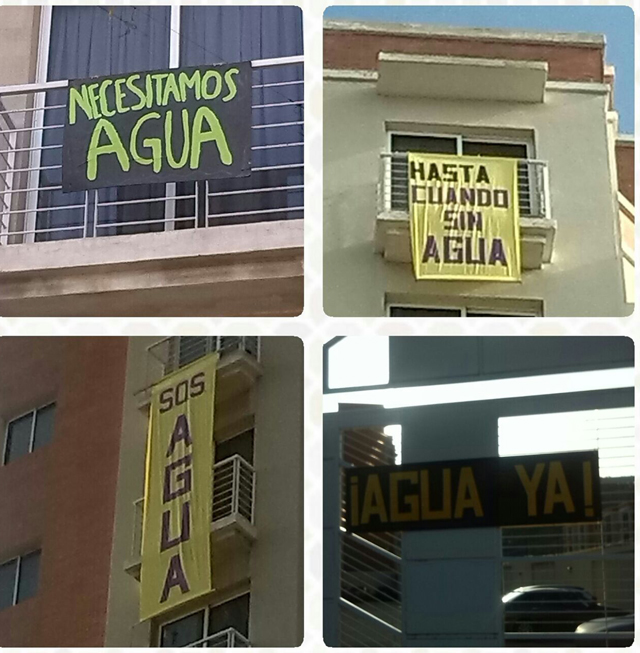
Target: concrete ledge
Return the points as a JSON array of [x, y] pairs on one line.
[[468, 78]]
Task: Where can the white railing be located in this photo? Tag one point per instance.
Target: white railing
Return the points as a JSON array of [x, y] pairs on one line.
[[393, 186], [229, 638], [177, 351], [234, 490], [33, 207]]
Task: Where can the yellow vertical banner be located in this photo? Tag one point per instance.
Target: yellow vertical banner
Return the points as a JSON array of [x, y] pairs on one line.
[[176, 558], [465, 217]]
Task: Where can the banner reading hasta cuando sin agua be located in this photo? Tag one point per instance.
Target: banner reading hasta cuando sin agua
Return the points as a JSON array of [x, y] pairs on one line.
[[464, 217], [176, 558]]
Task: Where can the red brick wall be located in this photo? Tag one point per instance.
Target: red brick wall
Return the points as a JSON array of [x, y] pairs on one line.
[[626, 169], [359, 50], [68, 499]]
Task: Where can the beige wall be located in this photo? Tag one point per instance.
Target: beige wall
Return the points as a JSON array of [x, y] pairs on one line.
[[585, 275], [19, 33], [271, 567]]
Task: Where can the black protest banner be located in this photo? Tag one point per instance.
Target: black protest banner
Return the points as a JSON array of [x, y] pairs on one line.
[[154, 127], [508, 491]]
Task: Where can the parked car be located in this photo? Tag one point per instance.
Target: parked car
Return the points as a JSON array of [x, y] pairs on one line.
[[551, 608], [608, 625]]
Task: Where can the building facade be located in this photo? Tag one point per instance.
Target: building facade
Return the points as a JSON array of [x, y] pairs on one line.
[[205, 247], [74, 417], [543, 99]]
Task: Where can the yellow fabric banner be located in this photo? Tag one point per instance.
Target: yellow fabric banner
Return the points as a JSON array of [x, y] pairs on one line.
[[176, 559], [464, 217]]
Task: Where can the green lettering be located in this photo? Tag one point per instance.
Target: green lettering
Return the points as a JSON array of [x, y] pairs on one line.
[[148, 84], [189, 82], [120, 95], [102, 93], [231, 83], [159, 77], [216, 133], [205, 78], [171, 87], [93, 99], [168, 133], [153, 143], [114, 146], [137, 91], [79, 99]]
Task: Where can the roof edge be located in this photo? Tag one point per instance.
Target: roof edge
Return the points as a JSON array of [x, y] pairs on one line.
[[582, 39]]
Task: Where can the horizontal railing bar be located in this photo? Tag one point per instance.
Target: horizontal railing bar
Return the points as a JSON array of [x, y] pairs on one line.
[[271, 84], [33, 109], [31, 149], [44, 208], [368, 615], [30, 190], [43, 230], [247, 191], [55, 167], [289, 103], [148, 199], [282, 167], [277, 145], [278, 124], [260, 211], [30, 129], [136, 222]]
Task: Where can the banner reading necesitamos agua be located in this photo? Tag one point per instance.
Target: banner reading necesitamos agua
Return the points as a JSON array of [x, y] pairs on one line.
[[464, 217], [176, 562]]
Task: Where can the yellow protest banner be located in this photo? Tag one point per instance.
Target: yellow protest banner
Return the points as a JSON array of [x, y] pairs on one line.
[[176, 558], [464, 217]]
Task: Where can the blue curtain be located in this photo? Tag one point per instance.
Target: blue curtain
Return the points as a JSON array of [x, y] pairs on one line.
[[88, 42], [94, 41], [225, 34]]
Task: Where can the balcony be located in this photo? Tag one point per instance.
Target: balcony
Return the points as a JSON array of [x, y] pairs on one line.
[[232, 515], [537, 228], [229, 638], [238, 368], [160, 239]]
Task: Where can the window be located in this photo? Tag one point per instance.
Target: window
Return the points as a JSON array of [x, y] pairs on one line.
[[94, 41], [241, 444], [19, 579], [455, 145], [29, 432], [435, 311], [215, 626]]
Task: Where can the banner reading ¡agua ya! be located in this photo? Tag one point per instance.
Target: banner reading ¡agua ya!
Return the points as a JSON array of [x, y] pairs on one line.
[[176, 562], [464, 216]]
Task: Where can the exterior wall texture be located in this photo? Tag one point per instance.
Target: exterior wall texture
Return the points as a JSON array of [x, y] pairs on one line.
[[569, 132], [60, 498]]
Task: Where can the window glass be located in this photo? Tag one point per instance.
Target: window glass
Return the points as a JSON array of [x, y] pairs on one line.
[[18, 438], [184, 631], [44, 426], [85, 42], [241, 444], [7, 583], [410, 311], [507, 150], [190, 348], [431, 144], [29, 576], [232, 614]]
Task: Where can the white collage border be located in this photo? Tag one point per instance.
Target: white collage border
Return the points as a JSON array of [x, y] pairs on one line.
[[313, 326]]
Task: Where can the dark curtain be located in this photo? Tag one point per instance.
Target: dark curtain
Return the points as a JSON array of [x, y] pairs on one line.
[[88, 42], [212, 35]]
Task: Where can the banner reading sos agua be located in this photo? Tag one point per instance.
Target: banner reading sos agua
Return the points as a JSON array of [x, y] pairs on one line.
[[176, 557]]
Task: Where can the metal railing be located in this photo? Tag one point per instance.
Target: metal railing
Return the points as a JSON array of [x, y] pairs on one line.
[[393, 186], [177, 351], [229, 638], [33, 207], [234, 489]]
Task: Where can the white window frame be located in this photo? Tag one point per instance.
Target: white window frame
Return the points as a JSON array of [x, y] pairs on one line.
[[16, 580], [34, 413], [207, 615]]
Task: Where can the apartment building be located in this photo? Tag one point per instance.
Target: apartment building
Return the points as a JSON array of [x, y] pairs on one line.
[[474, 97], [75, 415], [200, 244]]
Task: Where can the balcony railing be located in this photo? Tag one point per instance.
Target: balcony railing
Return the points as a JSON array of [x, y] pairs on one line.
[[393, 186], [234, 489], [33, 207], [177, 351], [229, 638]]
